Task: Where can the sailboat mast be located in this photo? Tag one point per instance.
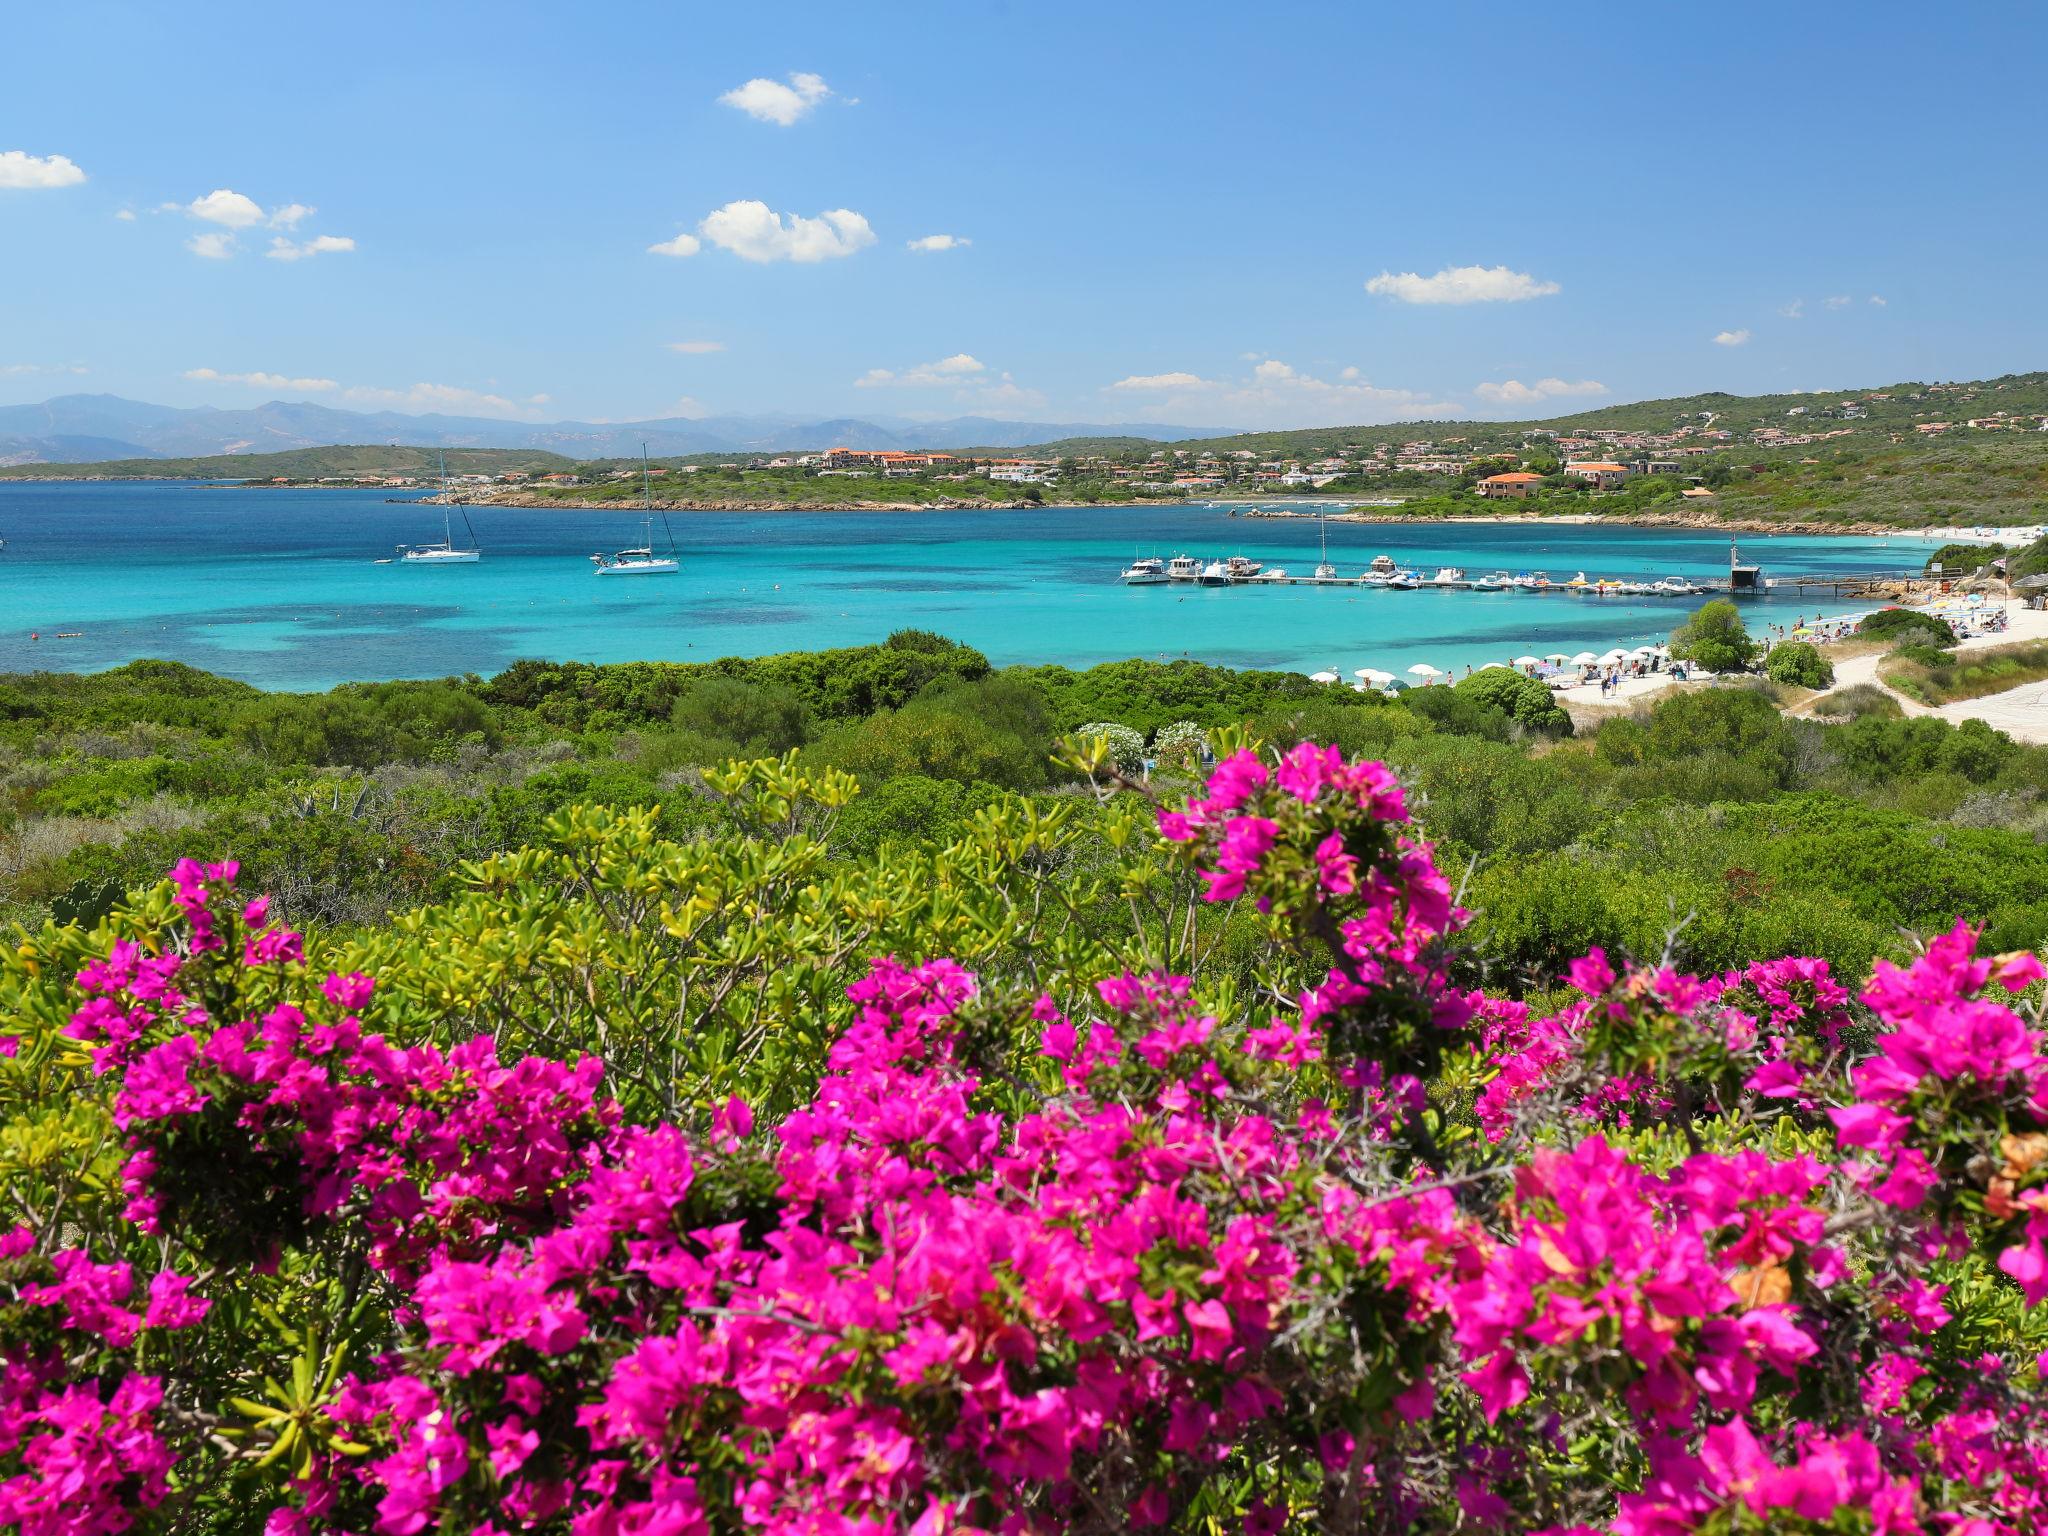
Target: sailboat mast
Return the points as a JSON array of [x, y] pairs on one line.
[[447, 524]]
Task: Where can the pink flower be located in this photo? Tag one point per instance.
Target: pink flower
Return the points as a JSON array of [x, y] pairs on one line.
[[349, 993]]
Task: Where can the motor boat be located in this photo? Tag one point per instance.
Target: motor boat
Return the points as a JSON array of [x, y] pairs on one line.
[[1375, 579], [1578, 584], [1448, 576], [1676, 586], [1150, 572], [1494, 581], [1272, 573], [1383, 565], [1215, 574], [1183, 568], [1242, 569], [1403, 580]]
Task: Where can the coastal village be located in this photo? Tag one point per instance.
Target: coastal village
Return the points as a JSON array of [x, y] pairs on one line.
[[1509, 465]]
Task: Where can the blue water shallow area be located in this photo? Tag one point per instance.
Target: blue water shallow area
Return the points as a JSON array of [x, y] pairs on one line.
[[279, 587]]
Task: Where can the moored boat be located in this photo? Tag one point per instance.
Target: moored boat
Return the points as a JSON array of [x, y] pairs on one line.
[[642, 561], [1183, 568], [445, 552], [1147, 572], [1215, 574]]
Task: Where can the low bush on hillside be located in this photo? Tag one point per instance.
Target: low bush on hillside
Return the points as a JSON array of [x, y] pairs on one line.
[[1799, 665], [1888, 623]]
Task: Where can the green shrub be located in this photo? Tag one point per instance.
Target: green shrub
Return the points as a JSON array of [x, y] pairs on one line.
[[1714, 638], [1888, 622], [1520, 697], [1799, 665]]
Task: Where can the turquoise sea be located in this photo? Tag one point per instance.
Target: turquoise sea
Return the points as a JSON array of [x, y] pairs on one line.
[[279, 588]]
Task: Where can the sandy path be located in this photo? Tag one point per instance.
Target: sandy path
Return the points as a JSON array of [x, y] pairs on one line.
[[2022, 712]]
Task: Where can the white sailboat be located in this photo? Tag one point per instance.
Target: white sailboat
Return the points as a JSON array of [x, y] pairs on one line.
[[642, 561], [445, 552], [1325, 571]]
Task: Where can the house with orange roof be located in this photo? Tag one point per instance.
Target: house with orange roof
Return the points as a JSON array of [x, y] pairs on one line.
[[1604, 476], [1515, 485]]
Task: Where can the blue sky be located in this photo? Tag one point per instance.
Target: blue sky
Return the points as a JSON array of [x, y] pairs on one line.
[[1163, 212]]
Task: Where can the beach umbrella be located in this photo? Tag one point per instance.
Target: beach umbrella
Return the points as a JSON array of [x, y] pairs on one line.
[[1374, 675], [1423, 669], [1529, 661], [1494, 666], [1322, 677], [1584, 659], [1557, 656], [1611, 656]]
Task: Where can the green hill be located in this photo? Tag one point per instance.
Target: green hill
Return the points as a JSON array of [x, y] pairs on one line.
[[1906, 406], [303, 464]]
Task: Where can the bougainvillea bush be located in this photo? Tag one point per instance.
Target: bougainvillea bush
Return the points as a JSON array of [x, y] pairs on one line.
[[1647, 1253]]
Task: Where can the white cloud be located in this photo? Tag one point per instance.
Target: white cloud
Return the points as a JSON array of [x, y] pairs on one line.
[[947, 370], [22, 172], [445, 397], [15, 368], [967, 377], [1461, 285], [682, 245], [1878, 300], [1005, 394], [126, 215], [1277, 394], [1515, 392], [282, 249], [1838, 301], [260, 380], [233, 211], [754, 232], [696, 348], [226, 208], [1795, 310], [939, 243], [1731, 338], [1158, 383], [770, 101]]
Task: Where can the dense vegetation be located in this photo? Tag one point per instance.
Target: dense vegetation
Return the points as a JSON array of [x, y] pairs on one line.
[[353, 803], [1168, 1172]]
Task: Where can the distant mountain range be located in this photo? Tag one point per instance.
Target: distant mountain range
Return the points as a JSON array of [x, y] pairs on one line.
[[83, 429]]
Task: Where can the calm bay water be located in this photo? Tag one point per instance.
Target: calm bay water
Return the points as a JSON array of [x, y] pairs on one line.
[[279, 588]]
